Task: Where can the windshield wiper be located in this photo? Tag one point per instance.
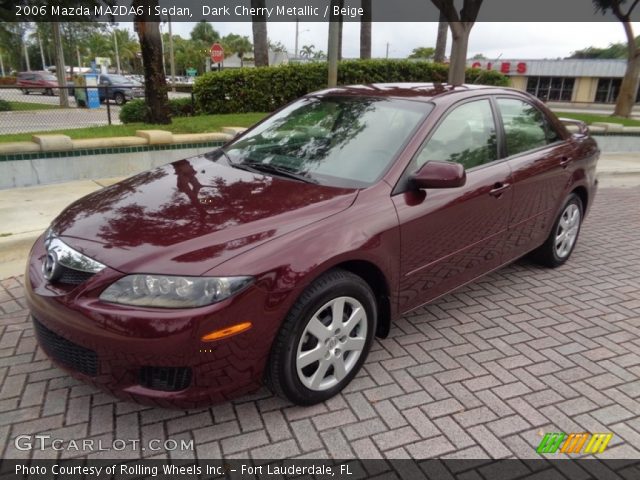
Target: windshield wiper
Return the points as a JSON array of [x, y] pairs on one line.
[[258, 167]]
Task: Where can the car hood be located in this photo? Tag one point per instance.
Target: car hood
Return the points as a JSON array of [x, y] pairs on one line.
[[191, 215]]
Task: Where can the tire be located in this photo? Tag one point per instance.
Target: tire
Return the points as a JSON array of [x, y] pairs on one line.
[[555, 251], [119, 99], [25, 91], [48, 91], [318, 378]]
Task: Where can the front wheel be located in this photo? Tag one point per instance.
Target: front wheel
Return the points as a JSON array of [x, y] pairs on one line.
[[119, 99], [557, 249], [324, 340]]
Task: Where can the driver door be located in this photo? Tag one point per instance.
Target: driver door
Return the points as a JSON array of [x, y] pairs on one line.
[[449, 236]]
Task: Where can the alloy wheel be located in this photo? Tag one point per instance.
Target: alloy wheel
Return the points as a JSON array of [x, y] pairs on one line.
[[567, 230], [331, 343]]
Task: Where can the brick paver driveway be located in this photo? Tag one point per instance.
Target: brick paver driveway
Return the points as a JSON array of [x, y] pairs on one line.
[[483, 372]]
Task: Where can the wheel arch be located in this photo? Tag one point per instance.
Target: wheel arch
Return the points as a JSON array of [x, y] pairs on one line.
[[377, 281], [583, 195]]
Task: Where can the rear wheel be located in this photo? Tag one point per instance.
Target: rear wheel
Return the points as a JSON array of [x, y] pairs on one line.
[[324, 340], [558, 247], [25, 91]]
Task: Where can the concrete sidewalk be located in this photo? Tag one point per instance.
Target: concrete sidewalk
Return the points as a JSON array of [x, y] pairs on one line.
[[26, 212]]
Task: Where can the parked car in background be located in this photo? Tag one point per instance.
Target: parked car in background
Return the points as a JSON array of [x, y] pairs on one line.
[[280, 256], [118, 88], [36, 81]]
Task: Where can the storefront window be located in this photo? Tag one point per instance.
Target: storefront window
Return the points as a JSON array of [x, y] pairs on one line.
[[551, 88]]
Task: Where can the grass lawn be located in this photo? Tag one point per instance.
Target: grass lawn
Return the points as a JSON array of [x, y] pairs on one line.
[[589, 118], [22, 106], [198, 124]]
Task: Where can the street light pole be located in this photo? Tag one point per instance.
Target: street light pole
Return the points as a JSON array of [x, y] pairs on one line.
[[1, 65], [387, 50]]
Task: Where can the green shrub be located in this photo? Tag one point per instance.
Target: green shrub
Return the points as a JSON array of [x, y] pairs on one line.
[[265, 89], [5, 106], [135, 111]]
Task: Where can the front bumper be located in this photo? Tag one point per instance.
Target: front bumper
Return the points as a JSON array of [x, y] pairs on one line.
[[152, 356]]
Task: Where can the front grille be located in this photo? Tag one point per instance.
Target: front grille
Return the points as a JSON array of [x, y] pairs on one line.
[[71, 276], [65, 352], [167, 379]]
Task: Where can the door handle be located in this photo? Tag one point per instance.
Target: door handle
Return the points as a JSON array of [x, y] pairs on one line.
[[498, 189], [564, 163]]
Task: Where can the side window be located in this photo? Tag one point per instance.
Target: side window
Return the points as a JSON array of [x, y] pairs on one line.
[[466, 136], [525, 127]]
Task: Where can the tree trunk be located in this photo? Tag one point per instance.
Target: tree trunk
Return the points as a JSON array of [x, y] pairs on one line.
[[365, 30], [441, 40], [60, 70], [629, 87], [260, 42], [332, 48], [155, 81], [458, 61]]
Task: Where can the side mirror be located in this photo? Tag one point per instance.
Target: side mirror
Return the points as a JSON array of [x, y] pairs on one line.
[[575, 126], [439, 175]]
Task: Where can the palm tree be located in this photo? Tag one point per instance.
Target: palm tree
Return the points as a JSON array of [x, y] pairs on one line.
[[238, 44], [365, 30], [156, 97], [307, 51], [260, 42]]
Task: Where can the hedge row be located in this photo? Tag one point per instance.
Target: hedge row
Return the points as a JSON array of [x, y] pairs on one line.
[[136, 110], [265, 89]]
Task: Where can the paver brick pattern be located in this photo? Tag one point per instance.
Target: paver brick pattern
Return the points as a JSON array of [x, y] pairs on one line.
[[482, 372]]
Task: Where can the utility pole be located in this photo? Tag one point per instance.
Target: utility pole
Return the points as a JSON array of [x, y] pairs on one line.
[[387, 56], [172, 59], [60, 70], [44, 64], [1, 65], [78, 55], [115, 42]]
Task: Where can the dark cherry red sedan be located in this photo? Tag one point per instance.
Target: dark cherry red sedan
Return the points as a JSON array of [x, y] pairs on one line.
[[277, 258]]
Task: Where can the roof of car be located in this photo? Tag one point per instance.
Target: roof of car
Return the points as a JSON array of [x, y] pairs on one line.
[[416, 91]]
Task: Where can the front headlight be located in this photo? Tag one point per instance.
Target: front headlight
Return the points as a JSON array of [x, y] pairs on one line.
[[164, 291]]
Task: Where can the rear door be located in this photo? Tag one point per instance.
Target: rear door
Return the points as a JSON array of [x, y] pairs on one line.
[[538, 158], [450, 236]]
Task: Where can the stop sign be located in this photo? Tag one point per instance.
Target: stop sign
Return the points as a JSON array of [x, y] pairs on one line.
[[217, 53]]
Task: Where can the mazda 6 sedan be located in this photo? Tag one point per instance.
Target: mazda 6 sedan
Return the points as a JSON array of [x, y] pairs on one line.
[[278, 258]]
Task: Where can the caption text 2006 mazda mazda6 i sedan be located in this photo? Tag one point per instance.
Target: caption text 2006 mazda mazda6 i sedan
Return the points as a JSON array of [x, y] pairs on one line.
[[277, 258]]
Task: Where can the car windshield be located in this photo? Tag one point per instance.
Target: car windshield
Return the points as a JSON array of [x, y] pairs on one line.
[[340, 141], [49, 77]]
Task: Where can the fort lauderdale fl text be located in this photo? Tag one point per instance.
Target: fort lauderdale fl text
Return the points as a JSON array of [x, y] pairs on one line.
[[185, 12], [153, 470]]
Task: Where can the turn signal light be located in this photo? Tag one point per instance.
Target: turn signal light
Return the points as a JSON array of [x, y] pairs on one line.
[[226, 332]]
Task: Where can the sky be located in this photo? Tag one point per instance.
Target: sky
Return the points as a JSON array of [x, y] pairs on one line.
[[494, 40]]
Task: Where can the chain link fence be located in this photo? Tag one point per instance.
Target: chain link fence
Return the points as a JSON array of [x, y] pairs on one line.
[[29, 109]]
